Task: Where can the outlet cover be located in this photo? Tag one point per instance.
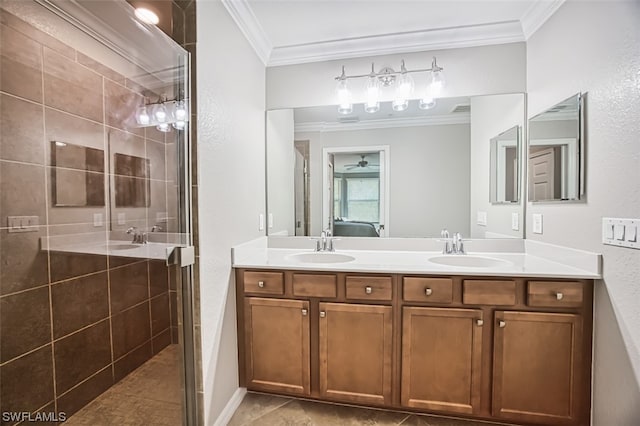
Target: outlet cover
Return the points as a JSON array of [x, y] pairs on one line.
[[537, 223], [121, 219], [97, 220], [481, 218], [261, 222], [270, 220], [515, 222]]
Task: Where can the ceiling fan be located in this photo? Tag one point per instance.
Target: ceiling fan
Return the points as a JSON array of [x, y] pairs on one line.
[[361, 164]]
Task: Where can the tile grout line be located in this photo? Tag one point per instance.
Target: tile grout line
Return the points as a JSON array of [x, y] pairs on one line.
[[269, 411]]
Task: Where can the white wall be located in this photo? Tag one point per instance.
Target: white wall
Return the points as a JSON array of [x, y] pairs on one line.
[[231, 191], [429, 176], [490, 116], [594, 47], [468, 72], [280, 167]]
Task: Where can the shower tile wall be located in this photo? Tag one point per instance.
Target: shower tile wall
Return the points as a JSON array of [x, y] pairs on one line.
[[71, 325]]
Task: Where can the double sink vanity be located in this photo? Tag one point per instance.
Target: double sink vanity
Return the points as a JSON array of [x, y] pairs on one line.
[[502, 333]]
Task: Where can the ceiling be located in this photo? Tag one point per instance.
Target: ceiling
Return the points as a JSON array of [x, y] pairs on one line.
[[296, 31]]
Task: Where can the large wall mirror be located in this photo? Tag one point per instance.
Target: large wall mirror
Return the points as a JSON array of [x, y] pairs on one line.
[[392, 174], [556, 153]]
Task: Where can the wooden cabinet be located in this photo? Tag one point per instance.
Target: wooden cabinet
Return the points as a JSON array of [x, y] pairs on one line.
[[504, 349], [277, 345], [537, 367], [441, 359], [355, 352]]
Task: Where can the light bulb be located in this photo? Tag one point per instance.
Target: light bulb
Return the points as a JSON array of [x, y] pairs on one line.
[[373, 93], [344, 97], [437, 83], [142, 117], [160, 113], [147, 16], [179, 125], [164, 127], [181, 111], [404, 90], [427, 102]]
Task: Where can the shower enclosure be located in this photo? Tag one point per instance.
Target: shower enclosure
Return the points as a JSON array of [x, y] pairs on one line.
[[95, 221]]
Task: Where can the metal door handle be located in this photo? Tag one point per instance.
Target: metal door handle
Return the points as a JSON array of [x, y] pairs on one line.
[[304, 312], [501, 324], [428, 291], [479, 322], [368, 290], [323, 314], [559, 295], [261, 284]]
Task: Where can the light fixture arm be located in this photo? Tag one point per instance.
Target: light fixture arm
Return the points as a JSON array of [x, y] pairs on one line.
[[387, 72]]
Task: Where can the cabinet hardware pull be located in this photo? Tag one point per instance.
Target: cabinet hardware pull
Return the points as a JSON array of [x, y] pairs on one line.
[[368, 290], [304, 312], [501, 324], [479, 322], [559, 295], [323, 314], [428, 291], [261, 284]]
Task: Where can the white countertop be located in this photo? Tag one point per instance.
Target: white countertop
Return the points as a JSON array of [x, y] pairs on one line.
[[518, 260]]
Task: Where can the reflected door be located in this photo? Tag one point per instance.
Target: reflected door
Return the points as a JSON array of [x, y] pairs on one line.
[[541, 164]]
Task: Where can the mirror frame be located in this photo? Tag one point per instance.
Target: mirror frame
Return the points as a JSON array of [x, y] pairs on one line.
[[581, 189]]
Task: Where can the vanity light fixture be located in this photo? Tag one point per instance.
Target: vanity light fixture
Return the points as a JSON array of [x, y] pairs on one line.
[[387, 77], [164, 114]]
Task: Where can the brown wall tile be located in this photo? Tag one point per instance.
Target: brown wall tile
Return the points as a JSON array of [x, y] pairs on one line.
[[21, 191], [130, 329], [25, 323], [121, 104], [190, 23], [37, 35], [177, 23], [21, 64], [24, 265], [26, 383], [158, 277], [82, 354], [71, 87], [81, 395], [173, 300], [161, 341], [20, 130], [155, 154], [131, 361], [74, 130], [65, 265], [100, 68], [160, 320], [175, 338], [129, 286], [79, 302]]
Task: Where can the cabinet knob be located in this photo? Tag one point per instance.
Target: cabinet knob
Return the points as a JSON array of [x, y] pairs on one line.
[[501, 324], [428, 291], [368, 290], [304, 312], [479, 322], [261, 284], [323, 314], [559, 295]]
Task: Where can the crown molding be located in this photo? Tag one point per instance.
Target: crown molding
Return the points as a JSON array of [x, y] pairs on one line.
[[386, 123], [537, 15], [415, 41], [246, 20]]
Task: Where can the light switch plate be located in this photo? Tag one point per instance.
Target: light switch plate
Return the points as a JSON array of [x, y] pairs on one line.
[[481, 218], [537, 223], [620, 232], [121, 219], [515, 222], [261, 222], [23, 223], [97, 220], [270, 220]]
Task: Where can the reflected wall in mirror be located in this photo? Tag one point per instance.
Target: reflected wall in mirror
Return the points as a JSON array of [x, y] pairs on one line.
[[556, 149], [437, 167], [504, 167], [131, 179], [77, 175]]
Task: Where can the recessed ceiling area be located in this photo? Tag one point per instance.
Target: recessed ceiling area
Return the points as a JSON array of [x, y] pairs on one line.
[[292, 31]]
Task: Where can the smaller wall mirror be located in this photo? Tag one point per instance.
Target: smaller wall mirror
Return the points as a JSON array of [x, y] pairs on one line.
[[77, 176], [131, 181], [556, 153], [505, 167]]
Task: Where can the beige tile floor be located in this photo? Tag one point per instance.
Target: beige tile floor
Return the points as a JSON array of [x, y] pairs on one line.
[[150, 395], [266, 410]]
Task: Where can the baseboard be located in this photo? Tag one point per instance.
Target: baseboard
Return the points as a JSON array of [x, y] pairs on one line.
[[231, 407]]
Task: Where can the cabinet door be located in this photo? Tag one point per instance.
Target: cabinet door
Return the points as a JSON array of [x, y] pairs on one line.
[[441, 359], [277, 345], [537, 367], [355, 352]]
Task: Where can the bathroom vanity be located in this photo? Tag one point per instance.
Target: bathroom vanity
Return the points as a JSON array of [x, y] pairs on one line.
[[393, 329]]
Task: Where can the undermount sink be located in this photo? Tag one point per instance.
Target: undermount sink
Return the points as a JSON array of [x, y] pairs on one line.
[[122, 246], [321, 257], [469, 261]]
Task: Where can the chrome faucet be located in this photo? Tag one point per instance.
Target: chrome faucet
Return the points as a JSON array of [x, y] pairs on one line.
[[447, 242], [325, 242], [453, 245], [139, 237], [458, 245]]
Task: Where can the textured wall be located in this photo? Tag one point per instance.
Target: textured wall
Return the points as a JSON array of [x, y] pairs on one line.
[[593, 47]]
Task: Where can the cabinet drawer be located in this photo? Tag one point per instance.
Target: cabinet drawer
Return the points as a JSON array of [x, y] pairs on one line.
[[314, 285], [554, 294], [437, 290], [370, 288], [488, 292], [264, 282]]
